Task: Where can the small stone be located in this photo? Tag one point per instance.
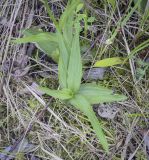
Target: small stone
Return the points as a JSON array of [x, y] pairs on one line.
[[94, 74], [108, 111]]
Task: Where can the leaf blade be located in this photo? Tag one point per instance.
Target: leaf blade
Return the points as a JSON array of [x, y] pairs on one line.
[[64, 94], [47, 44], [75, 64], [98, 94], [82, 104], [69, 11], [63, 50], [38, 37], [109, 62], [62, 74]]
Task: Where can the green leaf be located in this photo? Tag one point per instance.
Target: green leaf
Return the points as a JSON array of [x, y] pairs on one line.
[[75, 64], [46, 42], [113, 3], [109, 62], [40, 37], [54, 54], [81, 17], [97, 94], [62, 73], [129, 14], [66, 22], [96, 89], [79, 7], [63, 50], [32, 31], [63, 62], [91, 19], [63, 94], [68, 32], [82, 104], [69, 12]]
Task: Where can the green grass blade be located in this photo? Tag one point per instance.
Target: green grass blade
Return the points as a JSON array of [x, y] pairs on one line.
[[82, 104], [98, 94], [127, 17], [122, 22], [138, 48], [64, 94], [75, 64], [50, 13]]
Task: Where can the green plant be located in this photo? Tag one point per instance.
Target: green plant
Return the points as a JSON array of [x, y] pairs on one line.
[[107, 62], [66, 40], [142, 6]]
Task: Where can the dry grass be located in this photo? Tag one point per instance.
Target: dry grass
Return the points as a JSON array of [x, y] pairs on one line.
[[54, 130]]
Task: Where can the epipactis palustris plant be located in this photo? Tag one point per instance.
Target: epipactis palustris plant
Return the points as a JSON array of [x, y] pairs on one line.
[[64, 47]]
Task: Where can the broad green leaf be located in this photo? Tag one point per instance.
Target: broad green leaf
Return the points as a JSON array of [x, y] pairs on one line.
[[63, 94], [63, 61], [97, 94], [47, 36], [63, 50], [62, 73], [32, 31], [109, 62], [96, 89], [40, 37], [82, 104], [75, 64], [68, 32], [46, 42], [105, 98]]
